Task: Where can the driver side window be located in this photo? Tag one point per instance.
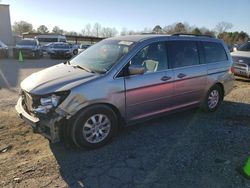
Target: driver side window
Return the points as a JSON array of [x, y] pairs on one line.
[[152, 57]]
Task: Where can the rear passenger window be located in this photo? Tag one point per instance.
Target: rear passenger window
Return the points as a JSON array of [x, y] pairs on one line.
[[214, 52], [183, 53]]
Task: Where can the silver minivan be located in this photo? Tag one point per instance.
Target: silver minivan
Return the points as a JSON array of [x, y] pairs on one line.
[[123, 80]]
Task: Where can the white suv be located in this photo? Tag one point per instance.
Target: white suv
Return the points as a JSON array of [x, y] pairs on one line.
[[241, 58]]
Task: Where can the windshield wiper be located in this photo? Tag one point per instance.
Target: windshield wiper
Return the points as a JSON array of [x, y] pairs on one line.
[[83, 68]]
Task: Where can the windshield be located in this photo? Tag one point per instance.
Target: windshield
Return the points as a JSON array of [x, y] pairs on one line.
[[27, 42], [103, 55]]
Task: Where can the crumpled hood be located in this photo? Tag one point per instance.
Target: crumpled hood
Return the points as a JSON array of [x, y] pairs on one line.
[[56, 78]]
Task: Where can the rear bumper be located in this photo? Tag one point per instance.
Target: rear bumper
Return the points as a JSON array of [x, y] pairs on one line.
[[46, 127]]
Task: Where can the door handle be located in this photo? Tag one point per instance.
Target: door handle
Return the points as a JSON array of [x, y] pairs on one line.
[[165, 78], [181, 75]]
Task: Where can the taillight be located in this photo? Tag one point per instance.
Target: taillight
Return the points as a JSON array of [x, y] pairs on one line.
[[231, 70]]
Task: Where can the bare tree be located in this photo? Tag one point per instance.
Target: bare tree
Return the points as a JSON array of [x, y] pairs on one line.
[[169, 29], [124, 31], [114, 32], [96, 29], [22, 27], [109, 32], [83, 32], [222, 27], [131, 32], [147, 30], [88, 30]]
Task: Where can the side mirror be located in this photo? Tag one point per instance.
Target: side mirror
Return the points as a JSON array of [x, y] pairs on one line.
[[136, 69]]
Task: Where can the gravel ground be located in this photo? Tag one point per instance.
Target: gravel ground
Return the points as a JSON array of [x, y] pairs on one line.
[[187, 149]]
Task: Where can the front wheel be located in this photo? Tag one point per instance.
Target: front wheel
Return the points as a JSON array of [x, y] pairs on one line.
[[75, 51], [94, 126], [213, 99]]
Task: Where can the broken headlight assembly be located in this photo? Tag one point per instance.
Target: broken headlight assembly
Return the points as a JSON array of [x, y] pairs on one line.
[[49, 102]]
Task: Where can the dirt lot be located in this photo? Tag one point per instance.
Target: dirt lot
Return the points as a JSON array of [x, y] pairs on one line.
[[187, 149]]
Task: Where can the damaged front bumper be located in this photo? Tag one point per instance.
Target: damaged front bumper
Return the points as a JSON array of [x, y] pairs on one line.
[[48, 127]]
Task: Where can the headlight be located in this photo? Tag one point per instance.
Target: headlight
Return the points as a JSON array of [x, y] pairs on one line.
[[52, 101]]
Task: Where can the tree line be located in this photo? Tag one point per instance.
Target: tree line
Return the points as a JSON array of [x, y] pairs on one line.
[[97, 30]]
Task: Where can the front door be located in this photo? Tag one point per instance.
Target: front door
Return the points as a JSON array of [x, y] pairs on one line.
[[149, 93]]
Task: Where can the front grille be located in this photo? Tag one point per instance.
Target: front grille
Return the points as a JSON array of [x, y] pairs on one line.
[[239, 59], [242, 66]]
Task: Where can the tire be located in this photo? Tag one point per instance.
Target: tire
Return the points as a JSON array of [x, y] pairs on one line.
[[41, 54], [75, 52], [87, 133], [37, 55], [213, 99]]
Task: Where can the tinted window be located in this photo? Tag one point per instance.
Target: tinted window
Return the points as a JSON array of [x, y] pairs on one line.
[[48, 40], [153, 57], [27, 42], [183, 53], [214, 52]]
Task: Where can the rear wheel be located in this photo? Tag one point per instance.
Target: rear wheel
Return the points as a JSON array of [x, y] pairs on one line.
[[94, 126], [213, 99]]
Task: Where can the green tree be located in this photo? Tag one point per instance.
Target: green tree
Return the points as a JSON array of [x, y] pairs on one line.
[[234, 37], [180, 28], [157, 29], [42, 29], [196, 31], [73, 33], [57, 30], [22, 27]]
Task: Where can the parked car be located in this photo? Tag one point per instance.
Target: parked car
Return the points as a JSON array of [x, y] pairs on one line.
[[46, 46], [75, 48], [29, 48], [60, 50], [123, 80], [241, 58], [83, 47], [4, 50]]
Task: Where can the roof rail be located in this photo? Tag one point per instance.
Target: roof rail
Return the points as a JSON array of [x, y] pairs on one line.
[[188, 34]]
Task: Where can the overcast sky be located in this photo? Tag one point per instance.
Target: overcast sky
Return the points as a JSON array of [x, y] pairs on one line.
[[132, 14]]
